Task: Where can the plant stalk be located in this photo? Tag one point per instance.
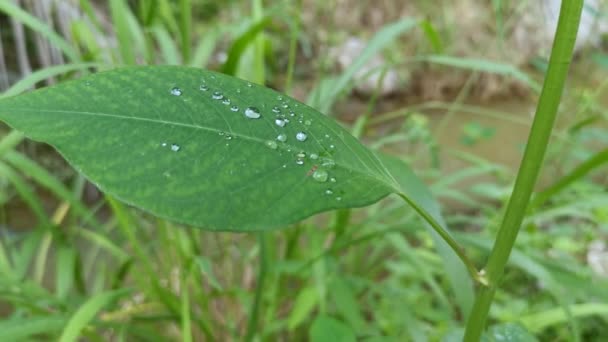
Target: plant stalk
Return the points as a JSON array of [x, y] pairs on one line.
[[445, 235], [252, 324], [546, 112]]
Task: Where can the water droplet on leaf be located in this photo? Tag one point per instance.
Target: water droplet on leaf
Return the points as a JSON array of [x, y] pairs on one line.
[[176, 91], [226, 101], [234, 108], [175, 147], [329, 192], [282, 137], [320, 175], [301, 136], [328, 163], [203, 87], [280, 122], [217, 95], [252, 113], [271, 144]]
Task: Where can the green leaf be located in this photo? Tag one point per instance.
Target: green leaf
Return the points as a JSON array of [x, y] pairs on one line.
[[304, 303], [414, 192], [509, 332], [541, 320], [505, 332], [326, 328], [87, 312], [151, 137], [213, 151], [483, 65], [327, 92], [17, 329]]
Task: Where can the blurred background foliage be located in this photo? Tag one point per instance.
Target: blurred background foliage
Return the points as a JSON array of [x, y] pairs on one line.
[[448, 86]]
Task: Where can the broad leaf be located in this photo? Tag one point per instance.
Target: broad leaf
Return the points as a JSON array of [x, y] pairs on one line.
[[202, 148], [326, 328]]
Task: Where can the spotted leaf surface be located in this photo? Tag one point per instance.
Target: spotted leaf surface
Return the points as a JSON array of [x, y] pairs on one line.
[[202, 148]]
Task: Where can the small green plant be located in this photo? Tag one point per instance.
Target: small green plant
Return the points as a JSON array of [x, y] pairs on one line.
[[220, 153]]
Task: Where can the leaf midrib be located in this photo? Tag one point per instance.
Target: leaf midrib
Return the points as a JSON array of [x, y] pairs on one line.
[[392, 185]]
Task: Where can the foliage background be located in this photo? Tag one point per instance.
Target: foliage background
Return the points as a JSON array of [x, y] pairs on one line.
[[457, 107]]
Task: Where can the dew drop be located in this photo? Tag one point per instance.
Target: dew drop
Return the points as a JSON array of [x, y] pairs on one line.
[[314, 156], [203, 87], [292, 114], [249, 85], [320, 175], [332, 146], [226, 101], [271, 144], [176, 91], [338, 198], [284, 166], [163, 144], [252, 113], [282, 137], [301, 155], [300, 161], [327, 136], [332, 179], [217, 95], [234, 108], [328, 163], [221, 133], [276, 109], [175, 147], [301, 136], [329, 192], [280, 122], [285, 105], [280, 98], [307, 122]]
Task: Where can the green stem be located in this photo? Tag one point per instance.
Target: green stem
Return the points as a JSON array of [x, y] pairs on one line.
[[476, 275], [532, 161], [259, 288], [185, 29]]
